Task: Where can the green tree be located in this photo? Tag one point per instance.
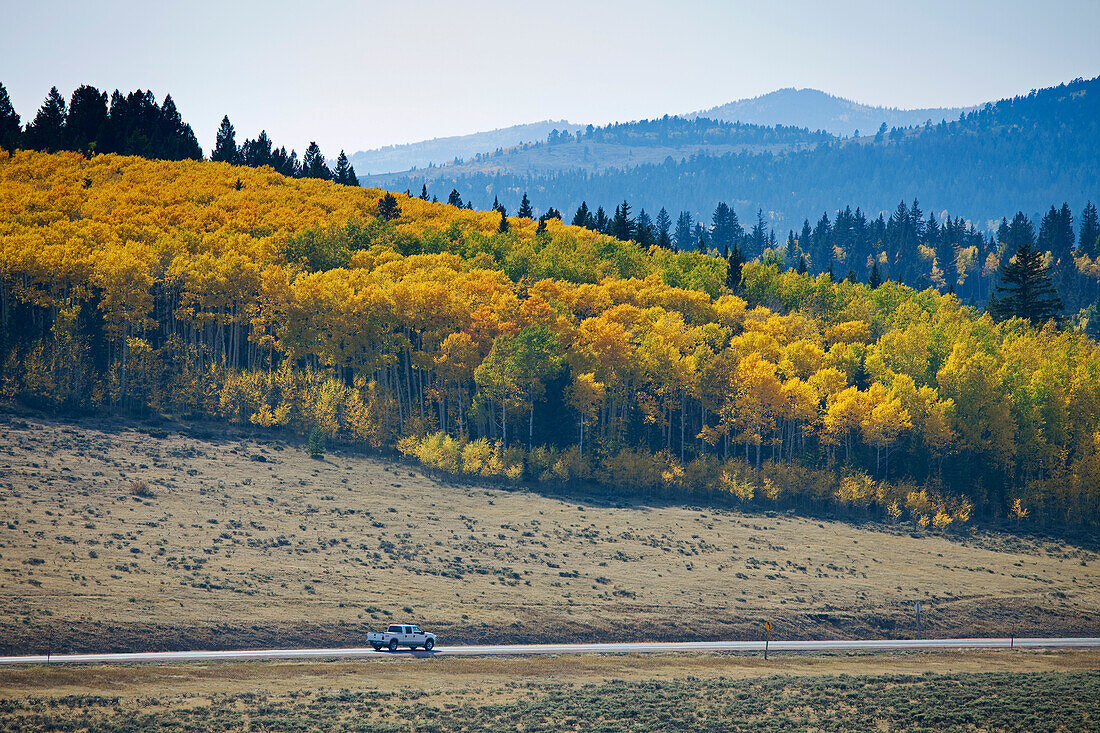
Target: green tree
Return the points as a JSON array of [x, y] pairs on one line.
[[875, 280], [9, 122], [342, 172], [225, 145], [734, 264], [47, 131], [525, 209], [316, 445], [1026, 289], [388, 208], [622, 226], [503, 226], [87, 118], [454, 199], [313, 163], [1087, 240]]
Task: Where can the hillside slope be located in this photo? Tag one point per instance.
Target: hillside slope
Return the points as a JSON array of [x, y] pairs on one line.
[[818, 110], [443, 150], [124, 539], [1018, 154], [504, 348]]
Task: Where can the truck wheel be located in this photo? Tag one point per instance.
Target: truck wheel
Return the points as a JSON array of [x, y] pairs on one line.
[[428, 645], [393, 645], [377, 647]]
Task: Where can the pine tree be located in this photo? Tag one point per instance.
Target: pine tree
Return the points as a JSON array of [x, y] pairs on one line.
[[9, 122], [875, 280], [802, 265], [664, 226], [313, 163], [424, 192], [87, 118], [600, 221], [342, 172], [47, 131], [525, 209], [225, 146], [353, 179], [1088, 241], [1026, 290], [734, 264], [622, 226], [454, 199], [583, 217], [643, 230], [503, 226], [388, 207], [684, 232]]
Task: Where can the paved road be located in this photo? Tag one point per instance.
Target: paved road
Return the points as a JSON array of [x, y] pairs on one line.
[[524, 649]]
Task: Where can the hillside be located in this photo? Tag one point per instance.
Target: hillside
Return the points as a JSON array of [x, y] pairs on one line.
[[620, 147], [1018, 154], [443, 150], [123, 536], [818, 110], [507, 349]]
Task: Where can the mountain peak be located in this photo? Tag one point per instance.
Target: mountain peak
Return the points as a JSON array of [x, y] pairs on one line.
[[819, 110]]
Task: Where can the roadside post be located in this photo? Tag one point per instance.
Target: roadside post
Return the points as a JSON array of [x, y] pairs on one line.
[[916, 607], [767, 637]]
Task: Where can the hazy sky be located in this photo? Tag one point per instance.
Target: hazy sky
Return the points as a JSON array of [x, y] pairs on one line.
[[362, 75]]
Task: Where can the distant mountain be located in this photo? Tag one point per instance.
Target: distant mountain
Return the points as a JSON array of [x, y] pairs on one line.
[[818, 110], [443, 150], [1024, 154], [621, 146]]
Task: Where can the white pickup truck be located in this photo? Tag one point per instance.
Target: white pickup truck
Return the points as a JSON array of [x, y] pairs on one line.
[[401, 635]]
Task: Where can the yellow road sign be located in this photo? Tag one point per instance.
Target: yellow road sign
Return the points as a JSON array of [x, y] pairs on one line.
[[768, 625]]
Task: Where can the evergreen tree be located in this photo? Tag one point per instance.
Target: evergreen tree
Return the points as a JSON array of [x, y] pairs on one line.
[[583, 217], [622, 226], [600, 221], [503, 226], [551, 213], [225, 145], [454, 199], [1088, 241], [313, 163], [424, 192], [342, 172], [875, 279], [1056, 233], [1026, 289], [525, 209], [802, 265], [174, 139], [758, 239], [388, 207], [664, 226], [734, 264], [9, 122], [684, 232], [353, 179], [47, 131], [256, 153], [643, 230], [726, 229], [87, 118]]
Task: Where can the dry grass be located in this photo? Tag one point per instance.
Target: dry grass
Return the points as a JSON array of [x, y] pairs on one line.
[[457, 674], [239, 542]]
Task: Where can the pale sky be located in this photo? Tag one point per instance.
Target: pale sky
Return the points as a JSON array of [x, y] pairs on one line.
[[362, 75]]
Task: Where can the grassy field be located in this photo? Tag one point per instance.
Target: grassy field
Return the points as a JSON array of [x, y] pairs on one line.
[[112, 538], [1034, 691]]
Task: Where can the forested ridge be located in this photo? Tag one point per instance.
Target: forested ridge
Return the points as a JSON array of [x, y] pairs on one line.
[[501, 346], [1016, 154]]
